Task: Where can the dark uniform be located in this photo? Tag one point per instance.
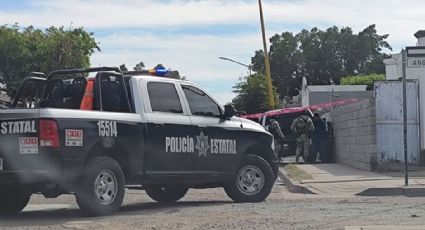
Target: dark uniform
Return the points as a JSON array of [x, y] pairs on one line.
[[318, 139]]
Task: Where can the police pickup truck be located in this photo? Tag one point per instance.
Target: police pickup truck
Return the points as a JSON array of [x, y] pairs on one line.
[[94, 132]]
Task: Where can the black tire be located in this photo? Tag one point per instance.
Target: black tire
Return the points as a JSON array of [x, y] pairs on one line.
[[167, 194], [257, 169], [12, 201], [96, 194]]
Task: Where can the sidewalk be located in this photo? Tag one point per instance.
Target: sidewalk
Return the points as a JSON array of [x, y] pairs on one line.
[[337, 179]]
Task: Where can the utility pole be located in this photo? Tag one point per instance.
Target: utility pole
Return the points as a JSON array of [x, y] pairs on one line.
[[406, 169], [266, 59]]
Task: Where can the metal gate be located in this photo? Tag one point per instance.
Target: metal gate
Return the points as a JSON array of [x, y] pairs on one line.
[[389, 121]]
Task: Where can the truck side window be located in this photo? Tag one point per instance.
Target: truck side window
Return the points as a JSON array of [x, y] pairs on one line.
[[164, 97], [200, 103]]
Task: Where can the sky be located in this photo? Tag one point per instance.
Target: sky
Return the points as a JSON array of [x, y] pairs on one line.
[[191, 35]]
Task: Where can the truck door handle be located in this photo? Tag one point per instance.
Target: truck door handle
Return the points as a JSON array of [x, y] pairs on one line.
[[202, 126], [159, 125]]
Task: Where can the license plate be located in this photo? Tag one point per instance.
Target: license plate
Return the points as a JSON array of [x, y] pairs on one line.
[[1, 164]]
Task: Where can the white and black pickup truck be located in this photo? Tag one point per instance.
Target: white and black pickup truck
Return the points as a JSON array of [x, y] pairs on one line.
[[72, 133]]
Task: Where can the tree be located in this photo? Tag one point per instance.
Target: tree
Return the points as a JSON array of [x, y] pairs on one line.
[[362, 79], [322, 56], [123, 68], [139, 66], [24, 50], [175, 74], [252, 94]]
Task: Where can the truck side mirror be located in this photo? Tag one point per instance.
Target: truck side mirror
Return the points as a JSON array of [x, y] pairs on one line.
[[229, 111]]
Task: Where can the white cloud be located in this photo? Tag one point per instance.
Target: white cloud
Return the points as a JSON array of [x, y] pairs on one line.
[[196, 56], [398, 18], [225, 98]]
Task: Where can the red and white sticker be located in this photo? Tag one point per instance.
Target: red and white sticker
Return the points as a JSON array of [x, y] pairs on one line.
[[73, 137], [28, 145]]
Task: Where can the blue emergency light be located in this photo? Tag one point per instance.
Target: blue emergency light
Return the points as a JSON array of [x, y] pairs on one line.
[[160, 71]]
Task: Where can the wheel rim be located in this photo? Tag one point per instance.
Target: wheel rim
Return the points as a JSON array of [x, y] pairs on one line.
[[106, 187], [250, 180]]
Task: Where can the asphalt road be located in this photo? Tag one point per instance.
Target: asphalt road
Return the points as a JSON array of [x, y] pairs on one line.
[[211, 209]]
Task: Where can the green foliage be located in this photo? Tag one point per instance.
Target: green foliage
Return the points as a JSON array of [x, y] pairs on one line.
[[25, 50], [322, 56], [139, 66], [252, 94], [123, 68], [362, 79], [175, 74]]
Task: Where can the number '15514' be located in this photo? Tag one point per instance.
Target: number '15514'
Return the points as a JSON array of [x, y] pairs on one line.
[[107, 128]]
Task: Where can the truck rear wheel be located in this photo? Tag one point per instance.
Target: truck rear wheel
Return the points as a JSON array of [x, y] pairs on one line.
[[13, 200], [167, 194], [101, 188], [253, 181]]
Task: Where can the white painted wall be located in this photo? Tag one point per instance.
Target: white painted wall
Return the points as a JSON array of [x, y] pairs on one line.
[[310, 91], [389, 121], [305, 99], [421, 41], [393, 69]]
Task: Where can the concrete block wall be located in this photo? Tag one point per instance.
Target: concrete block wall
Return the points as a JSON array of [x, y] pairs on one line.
[[354, 127]]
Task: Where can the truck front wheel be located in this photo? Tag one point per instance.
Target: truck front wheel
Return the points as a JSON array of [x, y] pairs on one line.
[[101, 188], [166, 194], [253, 181], [13, 201]]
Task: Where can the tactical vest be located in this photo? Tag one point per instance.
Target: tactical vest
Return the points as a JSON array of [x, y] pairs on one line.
[[301, 125]]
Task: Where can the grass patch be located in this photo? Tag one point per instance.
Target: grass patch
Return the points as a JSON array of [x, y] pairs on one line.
[[295, 173]]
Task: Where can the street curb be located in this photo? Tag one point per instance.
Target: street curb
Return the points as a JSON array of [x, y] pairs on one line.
[[292, 185]]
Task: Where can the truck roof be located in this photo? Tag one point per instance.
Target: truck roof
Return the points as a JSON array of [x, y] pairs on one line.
[[163, 79], [156, 78], [146, 76]]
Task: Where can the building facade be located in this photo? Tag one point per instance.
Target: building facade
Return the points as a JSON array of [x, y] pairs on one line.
[[393, 69]]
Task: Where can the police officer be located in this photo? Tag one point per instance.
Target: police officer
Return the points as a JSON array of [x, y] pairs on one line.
[[318, 139], [278, 136], [302, 127]]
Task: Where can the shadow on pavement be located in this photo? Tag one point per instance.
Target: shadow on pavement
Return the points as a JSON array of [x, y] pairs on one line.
[[41, 217], [408, 192], [64, 215]]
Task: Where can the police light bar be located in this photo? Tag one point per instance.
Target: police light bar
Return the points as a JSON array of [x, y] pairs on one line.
[[160, 71]]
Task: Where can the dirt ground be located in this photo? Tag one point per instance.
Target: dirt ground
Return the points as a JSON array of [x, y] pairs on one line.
[[211, 209]]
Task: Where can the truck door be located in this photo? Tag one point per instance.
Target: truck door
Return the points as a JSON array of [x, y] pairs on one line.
[[169, 142], [216, 138]]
